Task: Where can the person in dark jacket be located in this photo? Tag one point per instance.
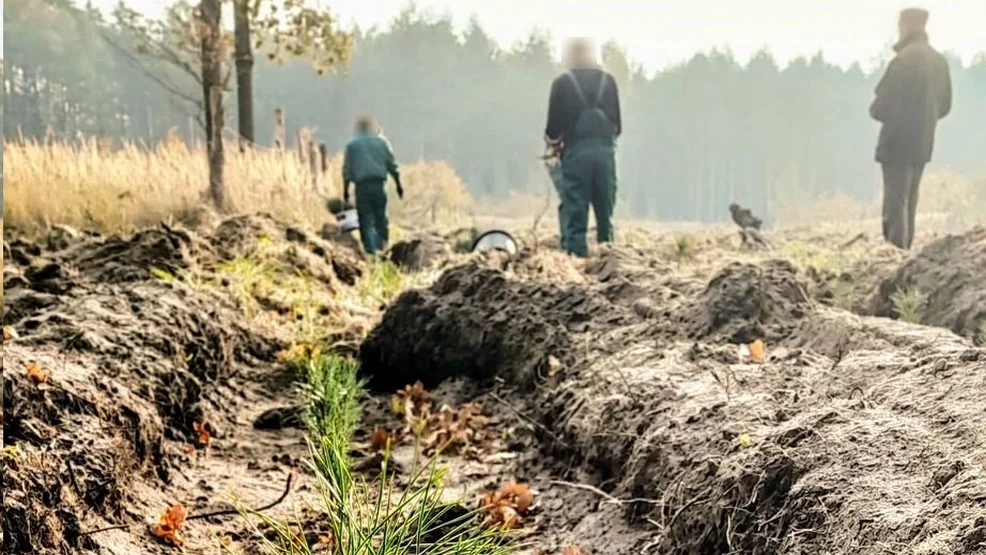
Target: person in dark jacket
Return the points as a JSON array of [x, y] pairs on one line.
[[369, 159], [583, 124], [914, 93]]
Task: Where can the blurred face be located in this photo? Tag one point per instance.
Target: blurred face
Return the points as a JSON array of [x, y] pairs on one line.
[[908, 26], [579, 54], [365, 126]]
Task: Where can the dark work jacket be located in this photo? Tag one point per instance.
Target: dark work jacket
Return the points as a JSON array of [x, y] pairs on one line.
[[369, 157], [913, 95], [565, 107]]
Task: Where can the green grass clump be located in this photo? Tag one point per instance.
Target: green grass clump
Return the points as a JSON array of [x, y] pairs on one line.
[[805, 256], [909, 304], [381, 282], [335, 394], [380, 516], [844, 294], [684, 248]]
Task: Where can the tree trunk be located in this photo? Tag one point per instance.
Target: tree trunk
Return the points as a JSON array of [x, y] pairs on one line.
[[212, 95], [244, 70]]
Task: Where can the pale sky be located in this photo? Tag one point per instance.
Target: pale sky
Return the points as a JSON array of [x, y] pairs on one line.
[[658, 33]]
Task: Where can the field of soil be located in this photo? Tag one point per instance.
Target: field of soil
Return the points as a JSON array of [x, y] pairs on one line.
[[628, 391]]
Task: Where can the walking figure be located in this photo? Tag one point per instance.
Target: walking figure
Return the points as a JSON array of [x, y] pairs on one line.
[[369, 159]]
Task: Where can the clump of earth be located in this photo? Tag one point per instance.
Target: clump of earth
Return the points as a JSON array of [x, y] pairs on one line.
[[950, 277], [654, 430]]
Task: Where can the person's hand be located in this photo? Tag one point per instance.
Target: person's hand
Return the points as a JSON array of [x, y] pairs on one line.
[[400, 191]]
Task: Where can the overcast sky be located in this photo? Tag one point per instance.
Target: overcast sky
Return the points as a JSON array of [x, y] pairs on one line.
[[662, 32]]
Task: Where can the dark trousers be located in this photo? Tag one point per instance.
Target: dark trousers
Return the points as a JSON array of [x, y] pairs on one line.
[[900, 202], [371, 208], [588, 178]]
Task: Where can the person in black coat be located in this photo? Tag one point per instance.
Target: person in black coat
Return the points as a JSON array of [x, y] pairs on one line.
[[914, 93]]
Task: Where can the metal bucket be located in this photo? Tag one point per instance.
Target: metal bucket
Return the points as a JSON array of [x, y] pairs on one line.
[[348, 220], [495, 240]]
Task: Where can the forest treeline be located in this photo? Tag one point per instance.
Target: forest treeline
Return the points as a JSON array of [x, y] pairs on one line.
[[697, 135]]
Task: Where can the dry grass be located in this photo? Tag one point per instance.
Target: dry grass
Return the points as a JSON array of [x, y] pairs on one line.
[[91, 186], [949, 202]]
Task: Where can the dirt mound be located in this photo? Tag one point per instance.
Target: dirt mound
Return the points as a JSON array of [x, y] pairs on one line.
[[314, 255], [854, 435], [951, 273], [420, 252], [744, 302], [438, 337], [135, 359]]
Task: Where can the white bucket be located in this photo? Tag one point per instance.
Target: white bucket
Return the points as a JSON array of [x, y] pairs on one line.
[[348, 220], [495, 240]]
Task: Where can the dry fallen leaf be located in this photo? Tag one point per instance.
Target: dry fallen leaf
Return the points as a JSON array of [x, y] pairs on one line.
[[758, 352], [379, 439], [414, 395], [205, 436], [9, 333], [325, 543], [508, 505], [35, 373], [169, 528], [572, 550]]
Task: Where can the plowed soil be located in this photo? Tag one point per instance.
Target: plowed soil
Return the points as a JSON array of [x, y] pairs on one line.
[[656, 433], [135, 358], [621, 389]]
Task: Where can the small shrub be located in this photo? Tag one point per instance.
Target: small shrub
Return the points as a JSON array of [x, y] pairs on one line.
[[909, 304], [844, 294], [386, 516], [684, 248]]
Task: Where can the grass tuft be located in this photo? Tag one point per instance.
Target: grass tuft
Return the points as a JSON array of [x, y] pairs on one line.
[[684, 246], [381, 282], [845, 295], [381, 516], [909, 304]]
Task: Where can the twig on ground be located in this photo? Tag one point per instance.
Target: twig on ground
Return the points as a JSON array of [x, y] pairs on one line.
[[704, 496], [229, 512], [859, 237], [226, 512], [841, 354], [609, 498], [107, 529], [526, 418]]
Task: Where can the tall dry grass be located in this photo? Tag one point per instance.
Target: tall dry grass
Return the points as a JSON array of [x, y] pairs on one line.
[[91, 186], [948, 201]]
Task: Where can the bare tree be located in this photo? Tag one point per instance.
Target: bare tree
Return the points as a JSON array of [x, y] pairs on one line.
[[244, 69], [282, 28], [210, 14]]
